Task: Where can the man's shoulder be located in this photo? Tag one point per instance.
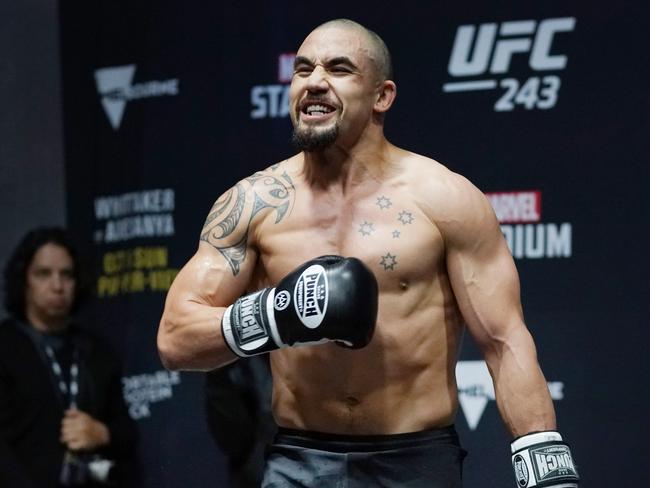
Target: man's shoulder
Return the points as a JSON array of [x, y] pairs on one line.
[[284, 171], [451, 201], [286, 168], [279, 175], [234, 217], [276, 181], [418, 167], [436, 186]]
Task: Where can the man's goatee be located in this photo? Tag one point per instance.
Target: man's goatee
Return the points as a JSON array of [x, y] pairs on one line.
[[311, 140]]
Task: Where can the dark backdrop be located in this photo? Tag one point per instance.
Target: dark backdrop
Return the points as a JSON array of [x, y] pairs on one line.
[[167, 104], [31, 122]]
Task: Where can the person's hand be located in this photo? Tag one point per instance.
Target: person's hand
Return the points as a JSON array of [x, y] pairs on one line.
[[81, 432]]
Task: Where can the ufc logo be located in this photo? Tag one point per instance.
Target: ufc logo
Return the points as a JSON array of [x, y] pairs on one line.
[[474, 52]]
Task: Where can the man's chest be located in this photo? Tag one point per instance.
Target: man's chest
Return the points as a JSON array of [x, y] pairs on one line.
[[393, 237]]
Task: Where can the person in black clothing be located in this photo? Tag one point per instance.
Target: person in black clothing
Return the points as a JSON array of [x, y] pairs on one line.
[[63, 420]]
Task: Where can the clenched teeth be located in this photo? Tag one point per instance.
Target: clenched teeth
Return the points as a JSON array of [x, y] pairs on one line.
[[317, 110]]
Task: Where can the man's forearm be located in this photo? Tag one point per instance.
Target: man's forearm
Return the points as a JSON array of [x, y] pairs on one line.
[[527, 409], [521, 390], [190, 338]]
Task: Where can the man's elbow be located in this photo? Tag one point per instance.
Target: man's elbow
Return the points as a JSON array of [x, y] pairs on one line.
[[168, 359], [168, 353]]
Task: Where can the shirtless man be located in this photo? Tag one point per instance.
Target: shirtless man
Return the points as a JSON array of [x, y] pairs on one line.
[[431, 240]]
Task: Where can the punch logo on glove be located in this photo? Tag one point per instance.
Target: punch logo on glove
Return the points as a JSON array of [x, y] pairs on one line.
[[310, 296], [542, 460], [551, 462], [251, 331]]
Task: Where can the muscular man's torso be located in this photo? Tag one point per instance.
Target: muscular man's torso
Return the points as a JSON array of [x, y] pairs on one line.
[[404, 380]]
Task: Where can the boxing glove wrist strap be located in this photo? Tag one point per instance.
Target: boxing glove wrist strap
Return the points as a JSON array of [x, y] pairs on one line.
[[248, 325], [542, 459]]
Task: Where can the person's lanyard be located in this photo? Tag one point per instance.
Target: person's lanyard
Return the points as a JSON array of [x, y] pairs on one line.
[[70, 391]]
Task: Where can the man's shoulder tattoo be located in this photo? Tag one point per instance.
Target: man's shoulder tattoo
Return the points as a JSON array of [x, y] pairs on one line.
[[228, 223]]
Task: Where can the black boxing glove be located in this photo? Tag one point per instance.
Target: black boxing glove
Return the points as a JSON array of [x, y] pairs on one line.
[[329, 298], [541, 459]]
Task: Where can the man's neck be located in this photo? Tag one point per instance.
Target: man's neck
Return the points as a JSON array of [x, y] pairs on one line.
[[347, 166]]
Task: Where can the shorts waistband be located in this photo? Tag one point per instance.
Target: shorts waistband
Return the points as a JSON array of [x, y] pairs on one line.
[[366, 443]]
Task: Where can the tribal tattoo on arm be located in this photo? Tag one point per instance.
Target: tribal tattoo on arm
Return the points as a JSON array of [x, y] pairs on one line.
[[227, 225]]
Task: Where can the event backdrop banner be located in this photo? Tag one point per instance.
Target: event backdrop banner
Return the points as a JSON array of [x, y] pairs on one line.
[[544, 106]]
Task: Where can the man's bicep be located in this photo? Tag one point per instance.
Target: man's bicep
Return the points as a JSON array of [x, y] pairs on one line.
[[215, 281], [484, 278], [229, 226], [207, 279], [220, 270]]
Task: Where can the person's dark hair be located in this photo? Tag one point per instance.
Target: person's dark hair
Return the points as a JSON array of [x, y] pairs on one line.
[[15, 272]]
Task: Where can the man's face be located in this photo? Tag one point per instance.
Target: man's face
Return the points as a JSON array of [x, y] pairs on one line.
[[50, 287], [333, 89]]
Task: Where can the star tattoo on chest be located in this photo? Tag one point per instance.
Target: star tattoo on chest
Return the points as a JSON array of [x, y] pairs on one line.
[[405, 217], [383, 202], [366, 228], [389, 261], [396, 234]]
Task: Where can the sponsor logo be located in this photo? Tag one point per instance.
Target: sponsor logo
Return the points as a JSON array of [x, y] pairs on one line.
[[521, 470], [281, 300], [249, 329], [142, 390], [520, 213], [135, 215], [488, 51], [552, 462], [516, 207], [272, 101], [310, 296], [475, 389], [115, 87]]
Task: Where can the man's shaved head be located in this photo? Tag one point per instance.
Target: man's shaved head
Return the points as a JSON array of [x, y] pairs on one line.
[[380, 54]]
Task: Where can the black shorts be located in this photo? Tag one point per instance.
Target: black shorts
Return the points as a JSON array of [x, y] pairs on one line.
[[431, 458]]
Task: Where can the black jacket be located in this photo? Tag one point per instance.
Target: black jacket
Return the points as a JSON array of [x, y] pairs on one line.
[[31, 407]]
